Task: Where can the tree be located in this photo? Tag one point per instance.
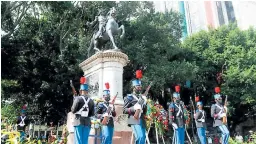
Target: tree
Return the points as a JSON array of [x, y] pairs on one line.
[[231, 52], [12, 14], [227, 58], [9, 113], [153, 44], [43, 53], [41, 63]]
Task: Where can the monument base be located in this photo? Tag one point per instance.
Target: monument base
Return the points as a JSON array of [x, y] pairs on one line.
[[96, 139], [122, 137], [122, 133], [71, 138], [107, 67]]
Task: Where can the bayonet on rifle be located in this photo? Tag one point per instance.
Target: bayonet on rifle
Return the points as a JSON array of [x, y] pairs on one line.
[[73, 88]]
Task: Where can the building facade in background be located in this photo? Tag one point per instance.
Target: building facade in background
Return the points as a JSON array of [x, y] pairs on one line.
[[200, 15]]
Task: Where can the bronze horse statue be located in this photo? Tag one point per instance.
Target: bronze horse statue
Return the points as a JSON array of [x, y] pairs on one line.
[[111, 29]]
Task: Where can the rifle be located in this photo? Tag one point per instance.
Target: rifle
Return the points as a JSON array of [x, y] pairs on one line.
[[224, 118], [109, 111], [137, 112], [114, 99], [193, 107], [73, 88], [148, 88]]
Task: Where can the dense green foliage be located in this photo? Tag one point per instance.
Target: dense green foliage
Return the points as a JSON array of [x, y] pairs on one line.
[[44, 44], [9, 113], [231, 52]]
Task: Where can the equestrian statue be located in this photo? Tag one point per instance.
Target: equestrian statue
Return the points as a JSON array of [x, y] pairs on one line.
[[108, 27]]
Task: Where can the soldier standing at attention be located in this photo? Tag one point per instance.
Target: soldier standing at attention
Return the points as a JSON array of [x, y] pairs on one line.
[[200, 116], [83, 108], [22, 123], [136, 107], [106, 112], [177, 119], [218, 112]]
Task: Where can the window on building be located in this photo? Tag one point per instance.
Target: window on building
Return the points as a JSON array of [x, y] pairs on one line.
[[230, 11], [220, 13]]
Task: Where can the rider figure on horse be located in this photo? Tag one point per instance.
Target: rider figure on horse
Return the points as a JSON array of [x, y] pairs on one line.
[[102, 20], [108, 28], [102, 23]]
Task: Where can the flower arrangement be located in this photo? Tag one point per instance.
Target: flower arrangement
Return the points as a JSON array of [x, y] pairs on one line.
[[158, 115], [252, 141], [95, 123], [187, 116], [13, 136]]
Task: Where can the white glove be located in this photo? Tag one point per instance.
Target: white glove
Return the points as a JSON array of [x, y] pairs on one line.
[[137, 106], [105, 114], [175, 125]]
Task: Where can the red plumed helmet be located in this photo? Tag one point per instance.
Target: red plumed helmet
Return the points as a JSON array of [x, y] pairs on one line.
[[217, 89], [177, 88], [107, 85], [197, 99], [24, 107], [138, 74], [82, 80]]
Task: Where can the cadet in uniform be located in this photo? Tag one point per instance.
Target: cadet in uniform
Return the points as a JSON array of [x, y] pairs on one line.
[[83, 108], [177, 119], [218, 112], [200, 117], [22, 123], [106, 112], [136, 108]]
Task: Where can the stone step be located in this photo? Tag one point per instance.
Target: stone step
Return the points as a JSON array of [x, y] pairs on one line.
[[122, 137]]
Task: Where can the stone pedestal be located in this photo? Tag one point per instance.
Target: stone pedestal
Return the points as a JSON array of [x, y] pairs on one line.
[[106, 67], [70, 128]]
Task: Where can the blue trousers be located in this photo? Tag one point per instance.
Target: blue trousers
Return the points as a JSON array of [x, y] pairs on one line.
[[179, 136], [225, 134], [139, 134], [201, 135], [82, 134], [22, 136], [107, 133]]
